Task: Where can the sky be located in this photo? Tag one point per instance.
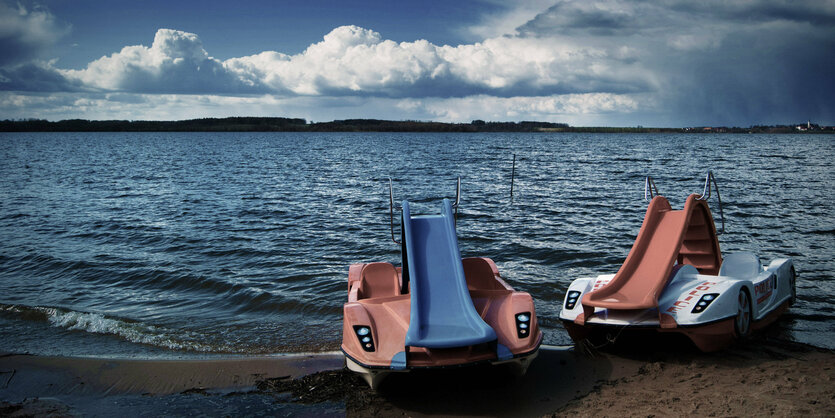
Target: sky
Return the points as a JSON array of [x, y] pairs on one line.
[[670, 63]]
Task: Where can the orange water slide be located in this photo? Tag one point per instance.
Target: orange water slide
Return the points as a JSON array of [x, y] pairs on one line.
[[667, 237]]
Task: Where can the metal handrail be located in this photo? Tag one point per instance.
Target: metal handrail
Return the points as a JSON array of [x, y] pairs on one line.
[[650, 191], [391, 212], [512, 176], [706, 195], [457, 198], [391, 206]]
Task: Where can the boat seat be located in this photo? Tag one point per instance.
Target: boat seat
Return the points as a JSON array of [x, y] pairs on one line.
[[741, 265], [379, 280], [479, 274]]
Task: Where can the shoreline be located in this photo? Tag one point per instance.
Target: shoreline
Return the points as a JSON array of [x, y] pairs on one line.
[[280, 124], [761, 376], [97, 375]]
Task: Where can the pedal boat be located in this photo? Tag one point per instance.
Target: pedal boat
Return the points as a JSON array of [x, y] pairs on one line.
[[437, 311], [675, 280]]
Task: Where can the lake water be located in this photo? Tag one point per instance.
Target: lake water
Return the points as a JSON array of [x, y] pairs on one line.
[[183, 244]]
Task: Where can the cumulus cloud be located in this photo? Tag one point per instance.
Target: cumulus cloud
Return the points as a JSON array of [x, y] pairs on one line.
[[26, 32], [174, 63], [349, 60], [353, 60], [356, 61]]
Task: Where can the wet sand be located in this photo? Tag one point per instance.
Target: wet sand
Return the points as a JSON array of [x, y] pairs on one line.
[[764, 376], [66, 386], [760, 378]]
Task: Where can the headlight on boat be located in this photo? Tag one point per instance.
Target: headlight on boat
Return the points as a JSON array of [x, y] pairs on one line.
[[523, 323], [704, 302], [571, 299], [364, 335]]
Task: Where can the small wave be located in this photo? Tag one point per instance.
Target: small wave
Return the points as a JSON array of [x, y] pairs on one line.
[[15, 216], [813, 317], [123, 195], [629, 159], [783, 157], [236, 252], [126, 329]]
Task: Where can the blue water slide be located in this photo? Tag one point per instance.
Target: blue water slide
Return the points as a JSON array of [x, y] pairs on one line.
[[442, 312]]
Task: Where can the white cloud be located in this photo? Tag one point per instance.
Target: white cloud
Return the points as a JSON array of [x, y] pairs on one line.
[[174, 63], [355, 61], [588, 109], [107, 106], [130, 106], [348, 60], [549, 108], [25, 33]]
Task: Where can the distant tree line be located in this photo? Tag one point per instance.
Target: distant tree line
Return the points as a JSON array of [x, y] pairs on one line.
[[375, 125], [254, 124], [275, 124], [238, 124]]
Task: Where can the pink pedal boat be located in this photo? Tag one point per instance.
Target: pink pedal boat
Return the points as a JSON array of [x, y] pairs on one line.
[[675, 280], [436, 311]]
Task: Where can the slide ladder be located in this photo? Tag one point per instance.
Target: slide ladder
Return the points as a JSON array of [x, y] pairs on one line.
[[667, 237]]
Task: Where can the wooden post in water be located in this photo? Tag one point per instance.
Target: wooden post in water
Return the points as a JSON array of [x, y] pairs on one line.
[[512, 176]]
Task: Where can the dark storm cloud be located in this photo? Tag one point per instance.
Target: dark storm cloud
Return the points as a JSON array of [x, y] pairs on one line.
[[752, 77], [36, 77], [817, 12], [716, 62], [566, 18], [25, 32], [629, 17]]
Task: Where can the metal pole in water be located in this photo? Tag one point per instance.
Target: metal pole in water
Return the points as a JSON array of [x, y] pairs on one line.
[[512, 176]]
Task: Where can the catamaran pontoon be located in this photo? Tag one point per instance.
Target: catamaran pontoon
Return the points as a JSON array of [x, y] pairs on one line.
[[438, 310], [676, 280]]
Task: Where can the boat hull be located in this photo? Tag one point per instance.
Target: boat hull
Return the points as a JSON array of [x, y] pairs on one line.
[[374, 375], [385, 321], [770, 292]]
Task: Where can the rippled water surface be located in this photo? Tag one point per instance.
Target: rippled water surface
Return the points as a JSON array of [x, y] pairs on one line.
[[170, 244]]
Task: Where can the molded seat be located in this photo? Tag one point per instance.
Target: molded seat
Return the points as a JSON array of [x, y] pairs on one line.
[[479, 274], [379, 280], [741, 265]]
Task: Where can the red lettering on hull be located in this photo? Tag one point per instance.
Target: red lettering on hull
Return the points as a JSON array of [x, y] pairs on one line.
[[684, 303]]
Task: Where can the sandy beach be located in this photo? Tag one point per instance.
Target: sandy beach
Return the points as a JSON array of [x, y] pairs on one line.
[[765, 376], [761, 378]]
